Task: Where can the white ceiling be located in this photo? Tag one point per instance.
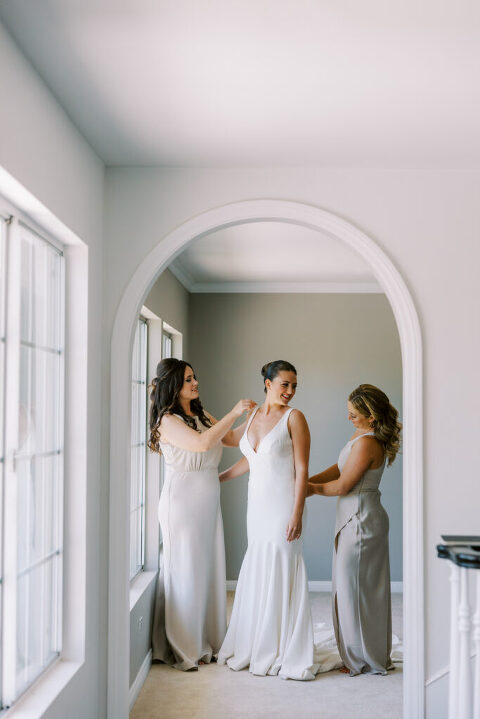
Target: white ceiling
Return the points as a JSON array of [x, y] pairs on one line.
[[262, 82], [272, 257]]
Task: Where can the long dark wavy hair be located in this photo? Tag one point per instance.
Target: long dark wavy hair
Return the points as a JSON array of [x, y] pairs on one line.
[[166, 387], [271, 370], [372, 402]]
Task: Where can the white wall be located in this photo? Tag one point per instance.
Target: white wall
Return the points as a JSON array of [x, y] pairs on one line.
[[427, 222], [336, 341], [42, 150]]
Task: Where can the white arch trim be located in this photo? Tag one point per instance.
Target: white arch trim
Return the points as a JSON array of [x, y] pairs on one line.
[[410, 339]]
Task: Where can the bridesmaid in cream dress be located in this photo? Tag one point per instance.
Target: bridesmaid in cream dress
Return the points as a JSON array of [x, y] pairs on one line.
[[190, 610], [361, 602]]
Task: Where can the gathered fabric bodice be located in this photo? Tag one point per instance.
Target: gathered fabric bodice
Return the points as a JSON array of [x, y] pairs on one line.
[[184, 460], [365, 495]]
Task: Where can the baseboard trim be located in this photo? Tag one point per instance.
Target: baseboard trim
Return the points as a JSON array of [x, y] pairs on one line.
[[321, 586], [140, 679]]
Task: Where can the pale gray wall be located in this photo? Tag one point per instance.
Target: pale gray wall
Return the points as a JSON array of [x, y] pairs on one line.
[[168, 298], [45, 153], [336, 341], [141, 620]]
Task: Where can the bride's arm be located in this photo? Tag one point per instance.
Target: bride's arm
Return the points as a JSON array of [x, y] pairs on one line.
[[236, 470], [301, 452]]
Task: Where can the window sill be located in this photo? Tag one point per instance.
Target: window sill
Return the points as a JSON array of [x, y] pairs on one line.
[[36, 700], [139, 586]]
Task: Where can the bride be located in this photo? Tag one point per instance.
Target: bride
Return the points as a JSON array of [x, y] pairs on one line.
[[271, 629]]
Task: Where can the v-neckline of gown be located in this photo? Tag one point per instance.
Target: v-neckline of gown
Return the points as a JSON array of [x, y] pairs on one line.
[[255, 451]]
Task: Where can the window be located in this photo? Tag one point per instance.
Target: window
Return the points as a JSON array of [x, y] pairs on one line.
[[32, 305], [167, 345], [139, 448]]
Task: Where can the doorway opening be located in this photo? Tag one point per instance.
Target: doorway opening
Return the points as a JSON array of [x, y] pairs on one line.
[[410, 341]]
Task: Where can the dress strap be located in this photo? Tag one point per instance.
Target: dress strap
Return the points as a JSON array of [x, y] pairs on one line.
[[365, 434], [251, 417]]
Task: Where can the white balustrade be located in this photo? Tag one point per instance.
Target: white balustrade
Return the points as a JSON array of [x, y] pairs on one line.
[[464, 669], [464, 680], [476, 642], [454, 602]]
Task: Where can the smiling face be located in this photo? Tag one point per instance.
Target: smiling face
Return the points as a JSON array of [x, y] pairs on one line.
[[189, 389], [359, 421], [281, 389]]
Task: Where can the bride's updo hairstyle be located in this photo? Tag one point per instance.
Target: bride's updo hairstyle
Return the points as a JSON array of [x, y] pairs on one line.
[[372, 402], [271, 369], [166, 387]]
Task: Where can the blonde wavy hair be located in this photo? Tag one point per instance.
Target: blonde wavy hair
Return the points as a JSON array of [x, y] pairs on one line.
[[372, 402]]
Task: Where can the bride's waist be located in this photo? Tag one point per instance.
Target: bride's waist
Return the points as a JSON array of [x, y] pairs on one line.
[[276, 478]]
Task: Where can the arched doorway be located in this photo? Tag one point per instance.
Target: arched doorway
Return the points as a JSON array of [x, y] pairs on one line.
[[410, 339]]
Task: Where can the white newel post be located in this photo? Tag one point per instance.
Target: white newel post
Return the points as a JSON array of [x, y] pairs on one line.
[[476, 642], [464, 681], [465, 675], [454, 645]]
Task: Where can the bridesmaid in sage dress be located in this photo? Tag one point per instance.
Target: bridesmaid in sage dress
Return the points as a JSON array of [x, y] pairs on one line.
[[361, 601], [190, 610]]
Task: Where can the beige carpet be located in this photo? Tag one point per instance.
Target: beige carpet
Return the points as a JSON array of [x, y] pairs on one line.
[[216, 692]]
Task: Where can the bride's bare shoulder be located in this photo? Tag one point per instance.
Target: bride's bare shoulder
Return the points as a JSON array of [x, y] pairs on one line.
[[297, 419]]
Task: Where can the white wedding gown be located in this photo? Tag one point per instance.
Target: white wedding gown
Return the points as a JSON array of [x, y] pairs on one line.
[[271, 629]]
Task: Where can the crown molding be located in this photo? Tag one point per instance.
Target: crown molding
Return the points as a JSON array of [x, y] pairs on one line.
[[182, 275], [284, 287], [287, 287]]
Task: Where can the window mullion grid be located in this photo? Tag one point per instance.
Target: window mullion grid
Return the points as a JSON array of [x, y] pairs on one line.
[[59, 461], [3, 276], [36, 279], [144, 435], [12, 375], [134, 454], [40, 324], [138, 448]]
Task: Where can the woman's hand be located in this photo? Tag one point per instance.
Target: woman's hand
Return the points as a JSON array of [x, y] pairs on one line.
[[294, 527], [311, 489], [244, 405]]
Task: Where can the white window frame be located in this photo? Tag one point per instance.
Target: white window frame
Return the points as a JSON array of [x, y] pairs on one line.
[[17, 202], [154, 469], [176, 339], [20, 236], [138, 409]]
